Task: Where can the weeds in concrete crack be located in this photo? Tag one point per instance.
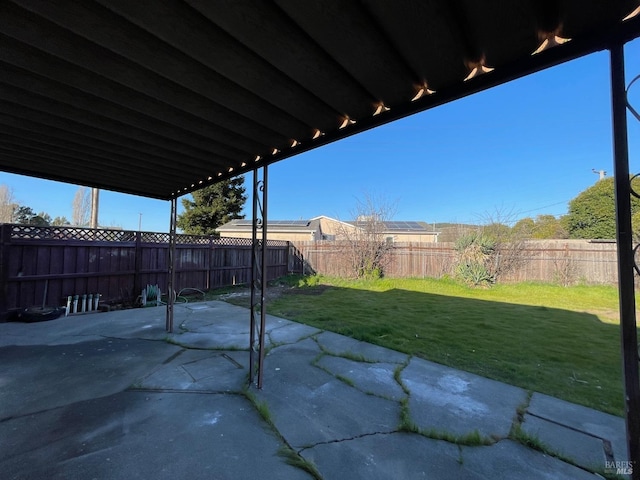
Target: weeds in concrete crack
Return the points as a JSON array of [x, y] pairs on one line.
[[518, 434], [311, 335], [292, 457], [342, 378], [261, 407], [271, 345], [397, 376], [516, 426], [471, 439], [230, 348], [521, 410], [356, 357], [346, 380], [406, 424], [532, 441], [296, 460]]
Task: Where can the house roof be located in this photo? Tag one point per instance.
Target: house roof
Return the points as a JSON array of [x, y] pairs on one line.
[[161, 98], [401, 226], [315, 223], [290, 226]]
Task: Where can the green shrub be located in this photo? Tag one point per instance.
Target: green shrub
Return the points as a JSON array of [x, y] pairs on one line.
[[475, 254]]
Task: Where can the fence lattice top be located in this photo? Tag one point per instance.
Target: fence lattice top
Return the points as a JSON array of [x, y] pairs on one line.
[[30, 232]]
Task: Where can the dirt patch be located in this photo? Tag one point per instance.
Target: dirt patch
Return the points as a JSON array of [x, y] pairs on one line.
[[242, 296], [317, 290]]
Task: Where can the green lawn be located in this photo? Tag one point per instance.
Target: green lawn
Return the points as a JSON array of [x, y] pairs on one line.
[[562, 341]]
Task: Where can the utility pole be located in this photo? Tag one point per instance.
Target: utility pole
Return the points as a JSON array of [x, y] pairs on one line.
[[140, 222], [601, 173], [95, 193]]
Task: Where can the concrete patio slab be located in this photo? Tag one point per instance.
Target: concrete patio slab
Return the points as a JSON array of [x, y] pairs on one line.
[[114, 396], [138, 435], [38, 377], [593, 423], [200, 370], [302, 394], [372, 378], [341, 346], [448, 400], [578, 447], [288, 332], [510, 460], [385, 456]]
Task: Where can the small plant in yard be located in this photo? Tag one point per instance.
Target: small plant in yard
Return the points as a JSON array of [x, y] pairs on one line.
[[475, 252], [295, 280]]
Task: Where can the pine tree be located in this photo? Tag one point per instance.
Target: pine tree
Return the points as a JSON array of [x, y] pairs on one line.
[[212, 206]]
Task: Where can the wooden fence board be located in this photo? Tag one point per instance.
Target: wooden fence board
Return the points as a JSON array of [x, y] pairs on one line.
[[559, 261], [117, 264]]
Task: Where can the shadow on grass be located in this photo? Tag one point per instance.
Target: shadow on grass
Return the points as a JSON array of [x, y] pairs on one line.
[[562, 353]]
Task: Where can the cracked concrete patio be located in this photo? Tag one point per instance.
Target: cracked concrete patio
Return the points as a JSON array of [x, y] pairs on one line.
[[114, 396]]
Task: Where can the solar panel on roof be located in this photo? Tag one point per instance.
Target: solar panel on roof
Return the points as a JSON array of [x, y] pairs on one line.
[[405, 226], [289, 223]]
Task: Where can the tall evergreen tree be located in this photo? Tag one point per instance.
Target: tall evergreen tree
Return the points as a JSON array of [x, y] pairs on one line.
[[212, 206], [26, 216]]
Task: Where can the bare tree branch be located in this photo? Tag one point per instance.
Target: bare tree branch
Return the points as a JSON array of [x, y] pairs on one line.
[[81, 207], [363, 242], [7, 204]]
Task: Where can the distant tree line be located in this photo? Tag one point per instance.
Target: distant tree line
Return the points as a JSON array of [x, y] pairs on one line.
[[486, 253], [12, 211], [204, 212], [591, 215]]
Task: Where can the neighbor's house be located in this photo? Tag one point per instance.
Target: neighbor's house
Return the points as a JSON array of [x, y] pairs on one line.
[[327, 228]]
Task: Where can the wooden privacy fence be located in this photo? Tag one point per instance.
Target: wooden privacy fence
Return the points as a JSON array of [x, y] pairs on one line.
[[117, 264], [558, 261]]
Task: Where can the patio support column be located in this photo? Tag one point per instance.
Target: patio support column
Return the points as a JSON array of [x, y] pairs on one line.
[[258, 277], [628, 330], [171, 261]]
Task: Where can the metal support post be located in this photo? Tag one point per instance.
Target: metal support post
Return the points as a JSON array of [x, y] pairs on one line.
[[172, 261], [258, 277], [255, 225], [628, 330], [263, 282]]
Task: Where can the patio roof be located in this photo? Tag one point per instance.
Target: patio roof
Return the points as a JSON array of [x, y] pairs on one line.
[[159, 99]]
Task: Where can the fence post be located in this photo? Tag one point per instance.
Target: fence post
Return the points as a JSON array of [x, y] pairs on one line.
[[288, 258], [5, 245], [208, 264], [137, 256]]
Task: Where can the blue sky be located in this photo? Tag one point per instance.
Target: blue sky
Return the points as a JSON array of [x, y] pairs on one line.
[[522, 149]]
